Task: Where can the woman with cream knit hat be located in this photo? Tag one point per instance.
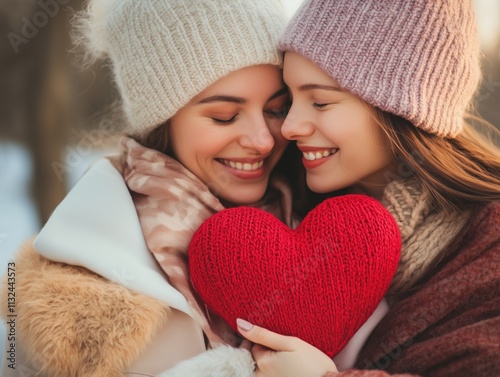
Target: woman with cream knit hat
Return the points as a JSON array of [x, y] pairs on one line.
[[103, 289], [380, 90]]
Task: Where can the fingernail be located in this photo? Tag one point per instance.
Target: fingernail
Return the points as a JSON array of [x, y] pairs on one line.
[[244, 325]]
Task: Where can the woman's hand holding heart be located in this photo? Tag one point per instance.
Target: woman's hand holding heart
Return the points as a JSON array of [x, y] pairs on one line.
[[279, 356]]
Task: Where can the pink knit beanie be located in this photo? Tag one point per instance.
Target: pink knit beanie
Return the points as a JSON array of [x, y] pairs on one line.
[[417, 59]]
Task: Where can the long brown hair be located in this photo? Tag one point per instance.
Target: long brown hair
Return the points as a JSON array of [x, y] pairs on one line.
[[156, 139], [460, 172]]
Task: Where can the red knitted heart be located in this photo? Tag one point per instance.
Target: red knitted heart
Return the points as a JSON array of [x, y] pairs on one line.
[[319, 282]]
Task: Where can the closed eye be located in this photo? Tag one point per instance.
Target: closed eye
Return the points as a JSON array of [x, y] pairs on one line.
[[320, 105], [224, 122]]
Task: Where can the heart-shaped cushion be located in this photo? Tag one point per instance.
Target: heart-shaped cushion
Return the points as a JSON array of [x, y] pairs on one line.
[[319, 282]]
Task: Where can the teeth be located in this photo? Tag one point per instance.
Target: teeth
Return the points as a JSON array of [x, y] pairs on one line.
[[244, 165], [310, 156]]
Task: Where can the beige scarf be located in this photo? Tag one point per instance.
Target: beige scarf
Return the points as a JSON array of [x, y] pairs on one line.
[[172, 203], [425, 232]]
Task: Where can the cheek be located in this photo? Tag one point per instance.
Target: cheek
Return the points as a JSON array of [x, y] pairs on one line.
[[194, 140], [358, 127], [179, 133], [188, 149], [373, 148], [204, 147]]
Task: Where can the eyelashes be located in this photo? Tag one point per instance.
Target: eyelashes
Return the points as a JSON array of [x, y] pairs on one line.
[[279, 113], [320, 105], [225, 122]]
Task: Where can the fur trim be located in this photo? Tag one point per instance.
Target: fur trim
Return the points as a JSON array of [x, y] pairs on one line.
[[223, 361], [72, 322]]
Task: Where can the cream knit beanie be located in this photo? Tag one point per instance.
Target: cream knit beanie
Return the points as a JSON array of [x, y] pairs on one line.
[[165, 52], [417, 59]]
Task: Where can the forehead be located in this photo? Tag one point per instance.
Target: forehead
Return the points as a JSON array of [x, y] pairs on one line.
[[299, 70], [254, 81]]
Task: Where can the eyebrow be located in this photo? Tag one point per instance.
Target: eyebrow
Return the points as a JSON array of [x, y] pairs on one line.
[[238, 100], [317, 86], [222, 98]]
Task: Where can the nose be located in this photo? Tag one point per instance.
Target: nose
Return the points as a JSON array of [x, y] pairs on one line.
[[257, 136], [296, 125]]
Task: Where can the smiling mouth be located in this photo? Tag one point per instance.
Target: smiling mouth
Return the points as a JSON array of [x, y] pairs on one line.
[[244, 166], [311, 156]]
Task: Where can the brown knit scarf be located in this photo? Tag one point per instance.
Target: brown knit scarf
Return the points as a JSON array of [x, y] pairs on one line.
[[425, 232], [172, 203]]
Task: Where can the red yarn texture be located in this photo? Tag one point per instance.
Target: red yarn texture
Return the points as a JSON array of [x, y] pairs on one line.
[[319, 282]]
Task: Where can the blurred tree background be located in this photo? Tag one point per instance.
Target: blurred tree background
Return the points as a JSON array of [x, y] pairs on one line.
[[55, 110], [47, 103]]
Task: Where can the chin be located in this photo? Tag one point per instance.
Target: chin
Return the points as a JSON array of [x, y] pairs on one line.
[[243, 197], [318, 186]]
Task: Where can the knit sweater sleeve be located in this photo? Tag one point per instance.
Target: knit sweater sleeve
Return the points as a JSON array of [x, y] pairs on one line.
[[450, 324]]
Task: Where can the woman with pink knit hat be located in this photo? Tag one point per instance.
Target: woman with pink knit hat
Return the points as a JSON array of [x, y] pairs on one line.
[[380, 91]]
